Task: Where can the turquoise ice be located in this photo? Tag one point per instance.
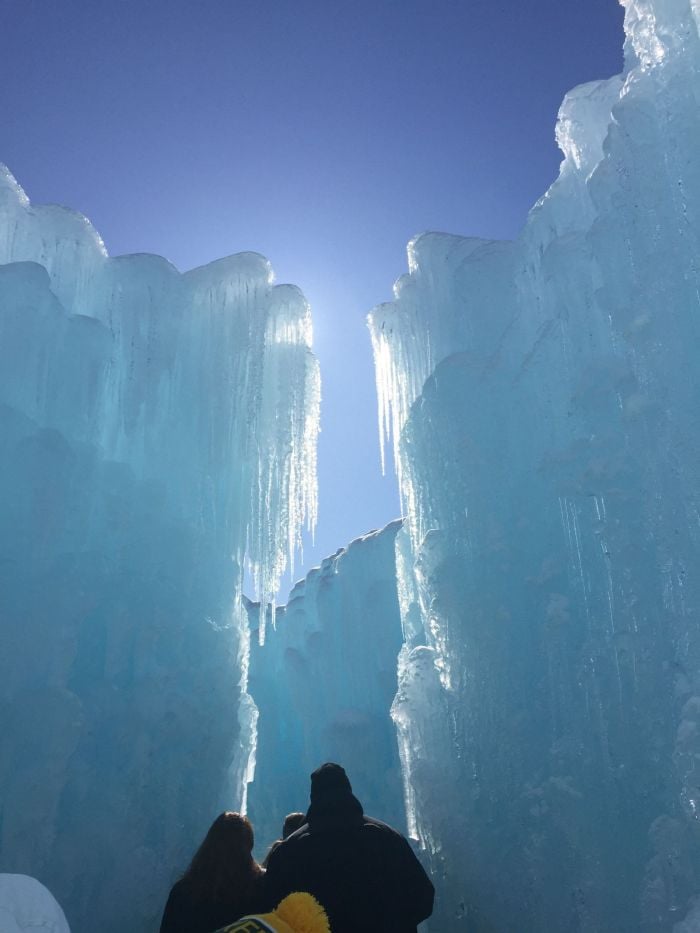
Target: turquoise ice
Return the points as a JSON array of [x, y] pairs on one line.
[[324, 682], [512, 673], [157, 431], [543, 397]]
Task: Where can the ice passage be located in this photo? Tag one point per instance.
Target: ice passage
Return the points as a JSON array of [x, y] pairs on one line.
[[542, 594]]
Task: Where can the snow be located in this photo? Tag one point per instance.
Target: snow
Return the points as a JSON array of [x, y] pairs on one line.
[[26, 905]]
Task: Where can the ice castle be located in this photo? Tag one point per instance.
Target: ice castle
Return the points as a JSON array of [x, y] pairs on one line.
[[511, 674]]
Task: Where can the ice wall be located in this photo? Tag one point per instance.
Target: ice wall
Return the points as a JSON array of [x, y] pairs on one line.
[[324, 684], [543, 397], [156, 430]]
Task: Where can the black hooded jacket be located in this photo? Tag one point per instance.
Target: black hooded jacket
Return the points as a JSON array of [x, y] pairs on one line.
[[362, 871], [187, 912]]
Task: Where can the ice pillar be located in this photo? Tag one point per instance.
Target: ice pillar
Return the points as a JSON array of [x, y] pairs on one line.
[[544, 397], [157, 430]]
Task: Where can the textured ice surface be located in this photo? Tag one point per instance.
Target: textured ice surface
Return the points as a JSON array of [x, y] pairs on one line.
[[542, 596], [544, 401], [210, 368], [324, 683], [26, 905], [155, 428]]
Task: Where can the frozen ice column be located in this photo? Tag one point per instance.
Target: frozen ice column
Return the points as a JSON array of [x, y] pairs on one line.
[[544, 401], [158, 430]]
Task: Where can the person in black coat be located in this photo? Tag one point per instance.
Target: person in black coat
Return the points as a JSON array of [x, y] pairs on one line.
[[362, 871], [222, 884], [292, 822]]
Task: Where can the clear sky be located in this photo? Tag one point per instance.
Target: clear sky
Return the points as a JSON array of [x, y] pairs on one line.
[[321, 133]]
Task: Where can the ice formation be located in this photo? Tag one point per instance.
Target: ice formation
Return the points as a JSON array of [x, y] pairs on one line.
[[543, 397], [26, 905], [324, 683], [542, 594], [156, 429]]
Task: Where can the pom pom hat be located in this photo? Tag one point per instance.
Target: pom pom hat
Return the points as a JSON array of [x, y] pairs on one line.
[[297, 913]]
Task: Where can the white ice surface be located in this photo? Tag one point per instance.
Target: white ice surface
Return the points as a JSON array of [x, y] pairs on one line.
[[26, 906]]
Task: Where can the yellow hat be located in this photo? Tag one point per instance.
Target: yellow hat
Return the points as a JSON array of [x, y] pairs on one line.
[[297, 913]]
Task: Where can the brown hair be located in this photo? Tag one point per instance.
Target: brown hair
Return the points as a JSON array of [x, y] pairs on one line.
[[223, 866]]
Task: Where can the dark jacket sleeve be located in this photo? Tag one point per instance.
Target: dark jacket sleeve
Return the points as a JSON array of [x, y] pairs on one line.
[[277, 883], [172, 921], [416, 889], [275, 845]]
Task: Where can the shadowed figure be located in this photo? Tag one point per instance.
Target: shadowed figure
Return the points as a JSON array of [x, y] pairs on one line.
[[292, 822], [362, 871], [223, 882]]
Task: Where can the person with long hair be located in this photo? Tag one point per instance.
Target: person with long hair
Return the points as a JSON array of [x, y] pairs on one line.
[[222, 883]]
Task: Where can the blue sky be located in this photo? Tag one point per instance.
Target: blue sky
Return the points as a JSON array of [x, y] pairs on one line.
[[322, 134]]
